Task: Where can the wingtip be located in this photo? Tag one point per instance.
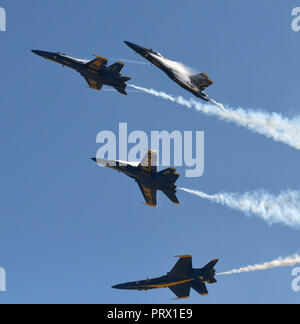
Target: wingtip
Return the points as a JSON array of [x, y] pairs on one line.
[[149, 151], [178, 298], [148, 204]]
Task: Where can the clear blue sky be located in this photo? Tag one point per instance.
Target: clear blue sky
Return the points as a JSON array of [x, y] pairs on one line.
[[69, 230]]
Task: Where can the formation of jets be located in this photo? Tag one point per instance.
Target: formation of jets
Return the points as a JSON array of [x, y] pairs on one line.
[[97, 73], [180, 279]]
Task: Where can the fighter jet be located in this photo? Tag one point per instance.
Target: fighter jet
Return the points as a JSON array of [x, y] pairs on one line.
[[96, 72], [196, 84], [180, 279], [146, 175]]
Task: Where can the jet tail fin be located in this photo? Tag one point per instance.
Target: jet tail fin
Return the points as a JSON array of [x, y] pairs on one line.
[[181, 291], [210, 265], [116, 67]]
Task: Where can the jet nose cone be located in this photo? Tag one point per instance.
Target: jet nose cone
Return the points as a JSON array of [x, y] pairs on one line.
[[133, 46], [94, 159], [118, 287], [42, 53], [36, 52]]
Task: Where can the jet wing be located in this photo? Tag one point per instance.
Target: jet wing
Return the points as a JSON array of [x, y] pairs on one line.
[[200, 287], [182, 267], [116, 67], [97, 63], [149, 162], [149, 195], [182, 291], [93, 84]]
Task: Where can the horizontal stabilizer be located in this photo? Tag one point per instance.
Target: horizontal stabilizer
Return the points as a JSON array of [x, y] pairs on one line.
[[121, 90], [171, 195], [213, 281], [200, 287], [181, 291]]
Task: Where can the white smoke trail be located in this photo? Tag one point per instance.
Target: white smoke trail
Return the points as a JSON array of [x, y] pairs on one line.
[[280, 262], [217, 104], [272, 125], [130, 61], [113, 90], [281, 209]]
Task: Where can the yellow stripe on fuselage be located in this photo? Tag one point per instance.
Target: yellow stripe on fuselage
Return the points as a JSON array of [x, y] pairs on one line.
[[169, 284]]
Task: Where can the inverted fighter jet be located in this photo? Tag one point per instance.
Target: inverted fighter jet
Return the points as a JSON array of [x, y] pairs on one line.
[[196, 84], [146, 175], [96, 72], [180, 279]]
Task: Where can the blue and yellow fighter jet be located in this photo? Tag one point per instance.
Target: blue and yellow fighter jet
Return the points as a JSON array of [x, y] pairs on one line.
[[196, 84], [96, 72], [146, 175], [180, 279]]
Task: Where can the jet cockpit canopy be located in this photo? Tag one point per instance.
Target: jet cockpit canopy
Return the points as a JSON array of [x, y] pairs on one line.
[[154, 52]]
